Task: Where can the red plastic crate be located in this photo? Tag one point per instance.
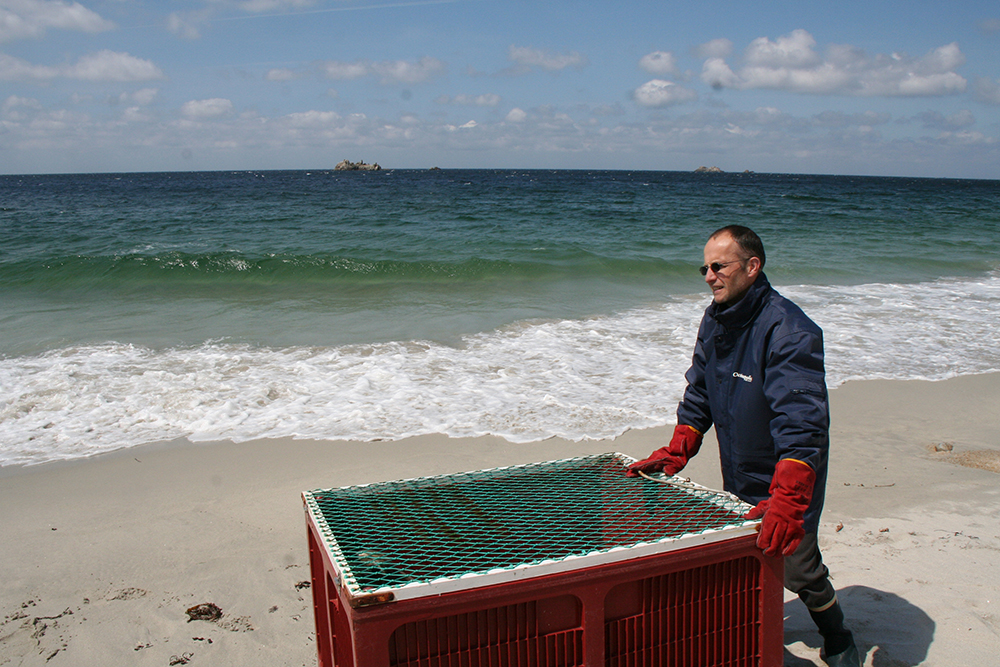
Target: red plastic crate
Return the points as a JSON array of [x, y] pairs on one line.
[[695, 596]]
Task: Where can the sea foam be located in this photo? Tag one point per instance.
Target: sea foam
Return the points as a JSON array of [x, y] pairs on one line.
[[577, 379]]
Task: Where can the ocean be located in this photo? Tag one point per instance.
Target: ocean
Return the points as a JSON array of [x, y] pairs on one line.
[[378, 305]]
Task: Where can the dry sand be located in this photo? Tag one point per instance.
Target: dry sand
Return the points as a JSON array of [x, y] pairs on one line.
[[101, 558]]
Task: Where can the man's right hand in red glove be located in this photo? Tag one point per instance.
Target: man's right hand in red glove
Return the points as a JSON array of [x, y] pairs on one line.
[[671, 459]]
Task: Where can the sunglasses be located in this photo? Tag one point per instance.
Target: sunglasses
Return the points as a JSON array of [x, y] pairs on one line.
[[716, 266]]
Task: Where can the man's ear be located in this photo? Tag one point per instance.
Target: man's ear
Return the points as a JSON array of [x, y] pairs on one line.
[[753, 266]]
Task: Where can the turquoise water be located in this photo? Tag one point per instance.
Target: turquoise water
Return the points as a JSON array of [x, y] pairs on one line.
[[143, 307]]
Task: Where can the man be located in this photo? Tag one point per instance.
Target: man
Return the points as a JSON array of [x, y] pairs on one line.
[[757, 375]]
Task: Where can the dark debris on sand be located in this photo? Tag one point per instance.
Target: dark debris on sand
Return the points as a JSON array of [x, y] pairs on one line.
[[208, 611]]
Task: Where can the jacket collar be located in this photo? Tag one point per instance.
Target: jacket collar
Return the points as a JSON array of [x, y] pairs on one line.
[[741, 313]]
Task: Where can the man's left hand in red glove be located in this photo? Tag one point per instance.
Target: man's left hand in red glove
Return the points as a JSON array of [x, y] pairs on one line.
[[783, 525]]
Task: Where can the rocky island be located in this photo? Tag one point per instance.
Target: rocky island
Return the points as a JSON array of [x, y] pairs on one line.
[[716, 170], [347, 165]]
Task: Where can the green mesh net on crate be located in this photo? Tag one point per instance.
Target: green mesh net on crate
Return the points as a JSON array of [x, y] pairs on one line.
[[392, 534]]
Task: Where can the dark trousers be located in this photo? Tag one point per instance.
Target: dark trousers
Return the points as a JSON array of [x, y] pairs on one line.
[[807, 576]]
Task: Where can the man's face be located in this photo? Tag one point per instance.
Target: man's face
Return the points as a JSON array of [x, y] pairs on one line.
[[735, 277]]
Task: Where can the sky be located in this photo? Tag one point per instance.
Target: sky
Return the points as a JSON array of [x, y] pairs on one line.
[[879, 87]]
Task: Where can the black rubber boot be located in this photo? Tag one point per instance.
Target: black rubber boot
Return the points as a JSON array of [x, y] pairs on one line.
[[838, 642], [848, 658]]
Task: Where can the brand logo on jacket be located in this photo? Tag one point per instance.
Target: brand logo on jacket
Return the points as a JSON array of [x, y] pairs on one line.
[[745, 378]]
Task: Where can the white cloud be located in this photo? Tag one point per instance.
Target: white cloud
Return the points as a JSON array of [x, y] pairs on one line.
[[937, 120], [527, 58], [16, 69], [660, 93], [339, 71], [716, 73], [212, 108], [282, 74], [659, 63], [823, 79], [29, 19], [988, 90], [312, 119], [139, 98], [15, 101], [516, 115], [401, 71], [145, 96], [186, 26], [839, 119], [101, 66], [113, 66], [989, 26], [768, 115], [20, 108], [791, 63], [484, 100], [966, 139], [963, 118], [902, 75], [609, 110], [397, 71], [794, 50], [135, 115], [258, 6], [717, 48]]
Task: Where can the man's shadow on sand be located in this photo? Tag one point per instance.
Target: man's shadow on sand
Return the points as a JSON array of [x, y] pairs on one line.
[[899, 632]]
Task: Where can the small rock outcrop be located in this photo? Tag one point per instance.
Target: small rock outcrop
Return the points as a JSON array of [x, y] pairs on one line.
[[347, 165], [708, 170]]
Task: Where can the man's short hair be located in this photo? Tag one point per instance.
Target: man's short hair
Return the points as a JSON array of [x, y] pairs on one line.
[[746, 239]]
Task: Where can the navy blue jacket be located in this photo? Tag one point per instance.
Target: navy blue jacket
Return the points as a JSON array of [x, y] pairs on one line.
[[757, 375]]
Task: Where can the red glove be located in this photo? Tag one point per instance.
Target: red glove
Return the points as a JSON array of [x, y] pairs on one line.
[[672, 458], [783, 526]]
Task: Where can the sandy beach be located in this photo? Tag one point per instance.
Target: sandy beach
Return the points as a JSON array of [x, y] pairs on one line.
[[101, 558]]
